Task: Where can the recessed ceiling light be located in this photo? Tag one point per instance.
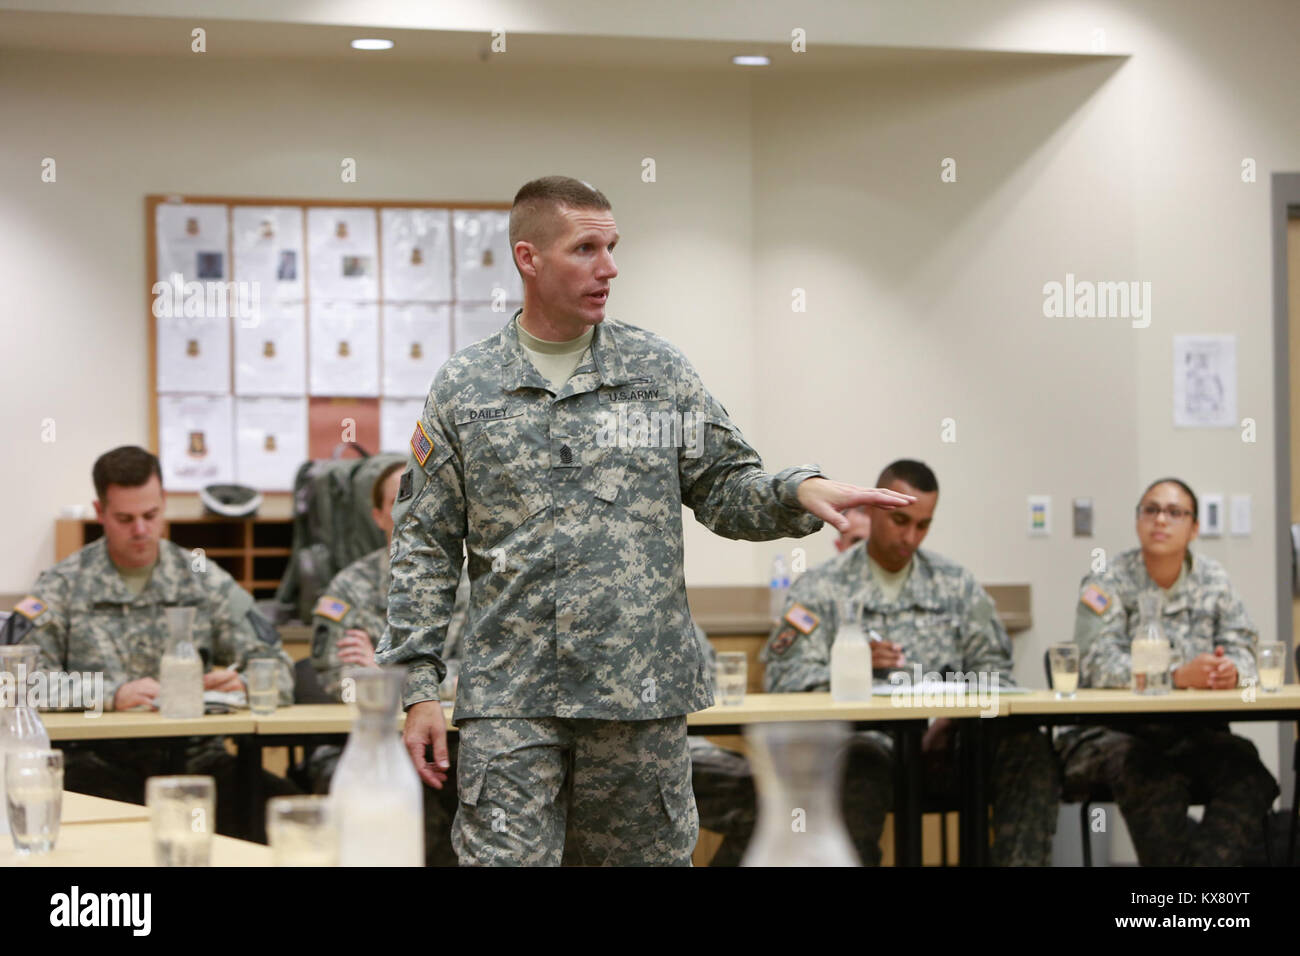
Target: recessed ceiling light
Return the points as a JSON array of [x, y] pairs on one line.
[[750, 60], [372, 44]]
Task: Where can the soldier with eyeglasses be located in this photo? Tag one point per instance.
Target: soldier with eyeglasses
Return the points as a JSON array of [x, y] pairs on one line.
[[1154, 770]]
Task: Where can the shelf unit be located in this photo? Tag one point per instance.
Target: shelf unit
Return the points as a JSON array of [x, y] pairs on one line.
[[255, 551]]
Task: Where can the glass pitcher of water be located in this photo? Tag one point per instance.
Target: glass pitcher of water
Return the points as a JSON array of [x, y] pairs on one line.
[[377, 795], [1151, 652], [21, 728]]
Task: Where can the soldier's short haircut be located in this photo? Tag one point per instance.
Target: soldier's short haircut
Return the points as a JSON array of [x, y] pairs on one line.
[[915, 473], [533, 216], [377, 489], [1196, 505], [129, 466]]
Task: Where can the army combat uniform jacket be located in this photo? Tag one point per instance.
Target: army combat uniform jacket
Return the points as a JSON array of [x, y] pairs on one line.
[[357, 597], [569, 506], [944, 620], [1201, 611], [82, 617]]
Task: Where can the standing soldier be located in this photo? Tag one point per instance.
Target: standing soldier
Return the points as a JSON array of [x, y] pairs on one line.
[[1153, 769], [559, 452]]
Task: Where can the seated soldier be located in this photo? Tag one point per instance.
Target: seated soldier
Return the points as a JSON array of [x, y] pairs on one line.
[[102, 610], [932, 612], [1154, 769], [348, 621]]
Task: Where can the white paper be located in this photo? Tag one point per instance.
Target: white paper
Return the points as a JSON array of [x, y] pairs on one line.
[[1205, 381], [270, 441], [194, 354], [476, 322], [271, 351], [343, 254], [416, 254], [268, 244], [485, 266], [194, 440], [192, 241], [417, 340], [397, 418], [344, 349]]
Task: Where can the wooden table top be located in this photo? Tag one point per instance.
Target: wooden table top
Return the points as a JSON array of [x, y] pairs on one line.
[[83, 808], [1089, 701], [67, 725], [124, 843]]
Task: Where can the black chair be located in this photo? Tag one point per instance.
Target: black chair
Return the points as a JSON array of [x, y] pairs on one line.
[[306, 690]]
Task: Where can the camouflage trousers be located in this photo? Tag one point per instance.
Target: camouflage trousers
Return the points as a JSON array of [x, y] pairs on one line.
[[545, 791], [439, 805], [1156, 771], [1024, 781]]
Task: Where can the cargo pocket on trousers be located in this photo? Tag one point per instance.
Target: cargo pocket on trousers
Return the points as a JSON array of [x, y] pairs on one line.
[[677, 797], [471, 770]]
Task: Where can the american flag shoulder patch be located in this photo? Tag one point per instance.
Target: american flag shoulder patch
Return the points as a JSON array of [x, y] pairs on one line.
[[30, 607], [1095, 598], [421, 443], [332, 608], [803, 620]]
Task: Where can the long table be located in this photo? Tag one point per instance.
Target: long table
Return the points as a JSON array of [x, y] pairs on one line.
[[329, 723], [124, 843], [322, 723]]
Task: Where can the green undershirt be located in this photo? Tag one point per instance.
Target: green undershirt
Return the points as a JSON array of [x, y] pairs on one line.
[[890, 582], [555, 360], [135, 579]]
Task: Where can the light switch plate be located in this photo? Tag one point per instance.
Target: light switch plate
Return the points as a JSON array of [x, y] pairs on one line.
[[1040, 515], [1239, 514], [1211, 515], [1083, 517]]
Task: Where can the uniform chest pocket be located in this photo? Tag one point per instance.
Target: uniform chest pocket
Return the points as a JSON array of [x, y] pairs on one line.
[[636, 468], [505, 470]]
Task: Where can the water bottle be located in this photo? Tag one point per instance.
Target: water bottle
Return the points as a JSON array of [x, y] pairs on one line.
[[180, 675], [850, 656], [778, 587], [1151, 653], [377, 796], [798, 768], [20, 725]]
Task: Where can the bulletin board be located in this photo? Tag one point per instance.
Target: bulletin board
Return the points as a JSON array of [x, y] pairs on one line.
[[279, 328]]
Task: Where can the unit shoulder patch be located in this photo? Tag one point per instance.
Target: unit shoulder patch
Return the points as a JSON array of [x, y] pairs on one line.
[[784, 638], [332, 608]]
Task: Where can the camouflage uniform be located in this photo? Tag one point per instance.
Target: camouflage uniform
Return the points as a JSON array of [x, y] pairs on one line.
[[947, 624], [1155, 771], [570, 510], [357, 597], [83, 618]]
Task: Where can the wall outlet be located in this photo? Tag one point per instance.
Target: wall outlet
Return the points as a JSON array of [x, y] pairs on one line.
[[1239, 514]]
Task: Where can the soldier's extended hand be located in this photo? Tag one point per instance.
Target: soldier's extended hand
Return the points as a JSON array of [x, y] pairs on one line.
[[355, 647], [425, 727], [1224, 674], [135, 693], [827, 499]]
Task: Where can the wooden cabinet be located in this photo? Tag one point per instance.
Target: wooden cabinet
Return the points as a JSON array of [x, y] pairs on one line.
[[254, 550]]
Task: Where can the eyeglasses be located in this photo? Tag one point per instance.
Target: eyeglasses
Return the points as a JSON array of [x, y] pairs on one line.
[[1151, 512]]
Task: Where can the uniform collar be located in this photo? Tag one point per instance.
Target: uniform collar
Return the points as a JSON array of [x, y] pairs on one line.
[[102, 582], [1177, 598], [917, 589], [519, 372]]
